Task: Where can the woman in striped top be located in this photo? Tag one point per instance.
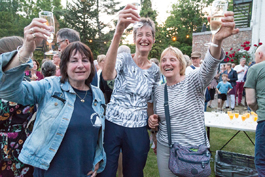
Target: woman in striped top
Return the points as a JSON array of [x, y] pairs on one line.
[[186, 96]]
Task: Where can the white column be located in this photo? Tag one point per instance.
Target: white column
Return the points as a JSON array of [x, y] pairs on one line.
[[258, 27]]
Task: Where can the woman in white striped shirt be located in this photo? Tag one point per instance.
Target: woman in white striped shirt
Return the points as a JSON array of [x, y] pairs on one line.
[[185, 96]]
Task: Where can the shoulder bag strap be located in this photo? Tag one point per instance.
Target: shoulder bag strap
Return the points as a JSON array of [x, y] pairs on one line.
[[166, 106]]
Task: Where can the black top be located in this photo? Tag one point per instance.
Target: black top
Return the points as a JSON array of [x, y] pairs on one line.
[[106, 87]]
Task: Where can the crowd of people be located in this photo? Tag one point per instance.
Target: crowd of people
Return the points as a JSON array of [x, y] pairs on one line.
[[92, 114]]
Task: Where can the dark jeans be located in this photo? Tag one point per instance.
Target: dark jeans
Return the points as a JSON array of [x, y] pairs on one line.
[[260, 148], [135, 145], [239, 90]]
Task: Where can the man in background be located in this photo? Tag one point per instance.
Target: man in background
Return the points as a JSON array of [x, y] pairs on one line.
[[255, 95], [240, 69], [64, 37], [195, 60]]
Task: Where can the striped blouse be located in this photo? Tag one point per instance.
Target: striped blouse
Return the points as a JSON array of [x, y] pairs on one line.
[[186, 105]]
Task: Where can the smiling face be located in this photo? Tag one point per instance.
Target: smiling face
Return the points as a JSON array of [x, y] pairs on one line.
[[170, 65], [35, 66], [144, 39], [78, 68]]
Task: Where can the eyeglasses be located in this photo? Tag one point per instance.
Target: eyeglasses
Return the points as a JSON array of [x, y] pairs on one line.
[[59, 43]]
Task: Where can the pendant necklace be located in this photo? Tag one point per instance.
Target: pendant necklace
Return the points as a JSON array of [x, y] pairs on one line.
[[82, 99]]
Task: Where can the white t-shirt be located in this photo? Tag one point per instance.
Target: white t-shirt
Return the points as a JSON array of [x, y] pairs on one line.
[[190, 69], [240, 76]]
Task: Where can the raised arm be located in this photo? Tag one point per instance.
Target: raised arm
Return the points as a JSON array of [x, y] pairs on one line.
[[33, 36], [127, 16], [227, 29]]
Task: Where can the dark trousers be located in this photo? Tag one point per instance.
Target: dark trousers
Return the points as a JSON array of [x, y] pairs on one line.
[[135, 145], [239, 90], [260, 148]]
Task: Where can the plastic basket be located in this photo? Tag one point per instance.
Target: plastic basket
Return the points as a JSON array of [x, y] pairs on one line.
[[233, 164]]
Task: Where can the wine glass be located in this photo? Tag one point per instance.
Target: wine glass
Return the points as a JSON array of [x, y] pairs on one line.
[[137, 5], [50, 22], [219, 7]]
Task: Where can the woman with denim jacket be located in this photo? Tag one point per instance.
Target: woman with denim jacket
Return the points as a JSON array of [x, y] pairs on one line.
[[67, 138]]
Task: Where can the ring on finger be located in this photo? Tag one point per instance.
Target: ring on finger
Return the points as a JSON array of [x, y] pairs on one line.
[[31, 30], [34, 36]]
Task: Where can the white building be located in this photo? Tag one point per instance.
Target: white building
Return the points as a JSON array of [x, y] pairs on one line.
[[257, 24]]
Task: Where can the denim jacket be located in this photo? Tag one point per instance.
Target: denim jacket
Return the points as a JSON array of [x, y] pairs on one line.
[[55, 107]]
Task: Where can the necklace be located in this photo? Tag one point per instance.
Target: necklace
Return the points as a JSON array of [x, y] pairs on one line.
[[82, 99]]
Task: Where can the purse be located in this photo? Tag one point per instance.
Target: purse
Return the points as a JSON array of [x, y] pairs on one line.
[[186, 161]]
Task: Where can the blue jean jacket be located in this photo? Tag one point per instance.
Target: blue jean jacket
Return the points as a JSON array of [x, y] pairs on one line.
[[55, 107]]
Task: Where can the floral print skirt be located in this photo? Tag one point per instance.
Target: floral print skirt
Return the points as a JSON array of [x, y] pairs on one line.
[[11, 145]]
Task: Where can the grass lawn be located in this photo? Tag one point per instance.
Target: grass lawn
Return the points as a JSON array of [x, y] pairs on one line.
[[218, 137]]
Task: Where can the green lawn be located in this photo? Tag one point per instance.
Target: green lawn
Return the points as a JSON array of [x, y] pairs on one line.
[[218, 137]]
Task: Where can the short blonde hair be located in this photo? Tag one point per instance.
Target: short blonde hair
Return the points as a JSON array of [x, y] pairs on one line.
[[100, 58], [175, 51]]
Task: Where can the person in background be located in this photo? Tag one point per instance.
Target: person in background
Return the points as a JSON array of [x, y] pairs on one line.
[[255, 96], [100, 60], [33, 73], [64, 37], [131, 100], [155, 60], [232, 78], [233, 65], [221, 71], [188, 60], [186, 91], [67, 137], [195, 60], [223, 88], [96, 65], [14, 118], [212, 89], [56, 60], [162, 77], [124, 49], [48, 68], [240, 69]]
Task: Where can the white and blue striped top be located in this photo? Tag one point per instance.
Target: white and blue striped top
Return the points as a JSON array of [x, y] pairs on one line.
[[186, 106]]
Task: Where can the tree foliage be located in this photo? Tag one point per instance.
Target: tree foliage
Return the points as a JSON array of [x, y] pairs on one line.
[[186, 17]]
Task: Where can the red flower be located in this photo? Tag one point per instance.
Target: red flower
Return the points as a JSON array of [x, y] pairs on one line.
[[247, 42], [230, 55], [244, 45], [224, 60], [232, 60], [238, 49], [243, 56], [231, 49], [227, 59], [255, 45], [233, 54], [247, 48], [260, 43], [226, 53]]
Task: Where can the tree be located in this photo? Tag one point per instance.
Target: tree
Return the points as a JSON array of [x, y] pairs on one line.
[[84, 17], [187, 16], [11, 22]]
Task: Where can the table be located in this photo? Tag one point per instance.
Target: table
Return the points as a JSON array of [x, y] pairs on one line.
[[222, 120]]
